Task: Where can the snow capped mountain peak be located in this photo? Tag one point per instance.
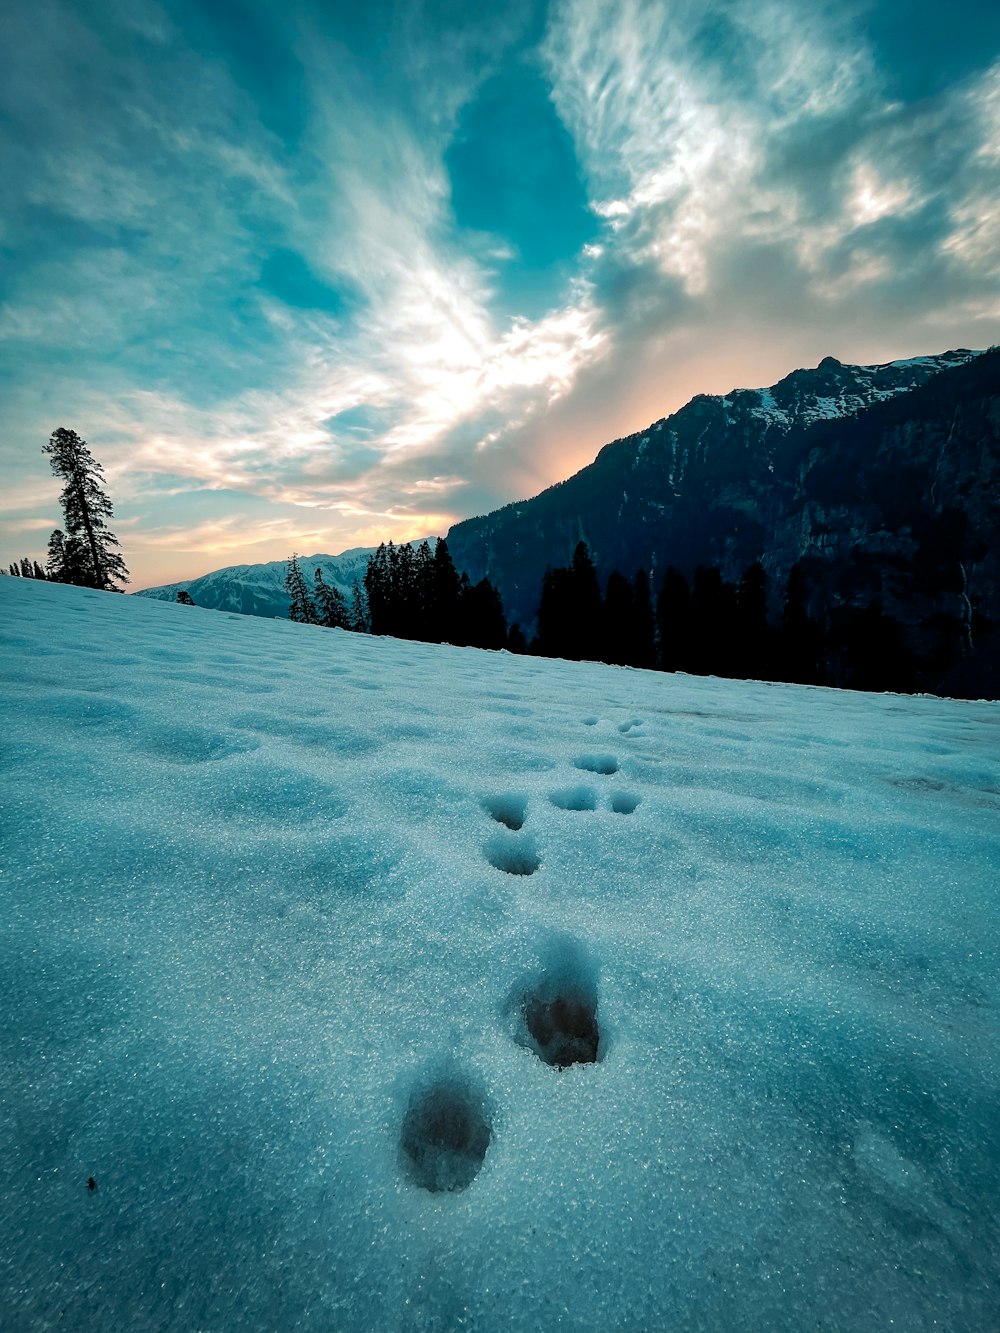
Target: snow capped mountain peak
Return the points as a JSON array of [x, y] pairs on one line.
[[259, 590], [835, 389]]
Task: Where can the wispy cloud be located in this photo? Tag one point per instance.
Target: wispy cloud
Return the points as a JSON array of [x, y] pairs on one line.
[[224, 241]]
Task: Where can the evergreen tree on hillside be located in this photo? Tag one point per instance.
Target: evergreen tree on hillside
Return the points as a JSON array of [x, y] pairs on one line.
[[571, 611], [752, 635], [423, 580], [86, 508], [482, 617], [301, 608], [674, 625], [619, 621], [713, 611], [66, 560], [645, 631], [588, 606], [331, 604], [443, 602], [27, 568], [801, 640], [358, 621], [184, 598], [405, 593], [377, 591], [555, 618]]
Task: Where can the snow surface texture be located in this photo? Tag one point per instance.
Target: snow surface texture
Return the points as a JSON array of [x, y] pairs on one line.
[[381, 986]]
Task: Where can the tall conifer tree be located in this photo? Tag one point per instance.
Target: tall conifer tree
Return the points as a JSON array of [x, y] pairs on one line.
[[301, 608], [645, 632], [86, 508], [674, 622], [331, 604], [359, 611], [619, 621]]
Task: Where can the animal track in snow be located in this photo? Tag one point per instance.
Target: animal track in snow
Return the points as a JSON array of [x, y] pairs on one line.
[[513, 855], [445, 1134], [625, 727], [590, 721], [556, 1011], [624, 803], [511, 811], [575, 798], [605, 764]]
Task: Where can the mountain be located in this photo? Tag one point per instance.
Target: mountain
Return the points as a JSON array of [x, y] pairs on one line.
[[863, 472], [259, 590]]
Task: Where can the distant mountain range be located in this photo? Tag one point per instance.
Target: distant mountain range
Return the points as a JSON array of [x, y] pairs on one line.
[[778, 474], [883, 482], [259, 590]]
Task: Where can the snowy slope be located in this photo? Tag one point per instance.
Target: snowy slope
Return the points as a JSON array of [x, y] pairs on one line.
[[259, 590], [272, 944]]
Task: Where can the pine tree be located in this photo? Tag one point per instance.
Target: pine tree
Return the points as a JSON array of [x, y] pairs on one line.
[[301, 608], [423, 593], [801, 641], [619, 621], [37, 572], [184, 598], [484, 623], [555, 635], [588, 607], [55, 562], [377, 591], [645, 633], [405, 592], [443, 608], [331, 605], [753, 636], [86, 508], [359, 612], [26, 570], [673, 622], [713, 607]]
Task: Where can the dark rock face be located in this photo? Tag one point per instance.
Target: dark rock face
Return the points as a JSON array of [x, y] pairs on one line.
[[885, 480]]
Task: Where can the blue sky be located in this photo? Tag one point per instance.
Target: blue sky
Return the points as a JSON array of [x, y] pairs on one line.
[[307, 276]]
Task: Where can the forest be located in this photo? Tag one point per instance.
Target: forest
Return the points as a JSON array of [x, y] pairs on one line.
[[703, 626]]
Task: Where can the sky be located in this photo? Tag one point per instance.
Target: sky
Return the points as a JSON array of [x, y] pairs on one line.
[[284, 908], [308, 276]]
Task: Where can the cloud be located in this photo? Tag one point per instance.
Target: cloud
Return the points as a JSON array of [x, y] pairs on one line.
[[246, 259]]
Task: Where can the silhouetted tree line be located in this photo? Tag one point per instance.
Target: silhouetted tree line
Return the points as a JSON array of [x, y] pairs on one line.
[[708, 626], [822, 634], [26, 568], [419, 594], [405, 593]]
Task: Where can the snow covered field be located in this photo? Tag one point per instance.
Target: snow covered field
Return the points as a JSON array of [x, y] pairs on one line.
[[298, 927]]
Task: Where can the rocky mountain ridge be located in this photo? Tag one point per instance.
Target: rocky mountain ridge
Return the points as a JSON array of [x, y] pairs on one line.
[[259, 590], [844, 466]]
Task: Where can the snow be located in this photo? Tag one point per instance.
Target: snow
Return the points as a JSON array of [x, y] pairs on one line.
[[768, 408], [260, 589], [302, 927]]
